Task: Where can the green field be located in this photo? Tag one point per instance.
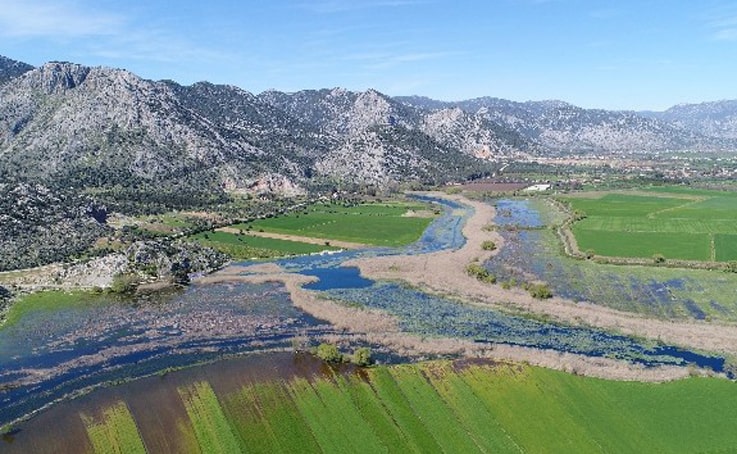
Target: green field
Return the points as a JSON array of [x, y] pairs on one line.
[[380, 224], [49, 300], [441, 407], [248, 247], [677, 223]]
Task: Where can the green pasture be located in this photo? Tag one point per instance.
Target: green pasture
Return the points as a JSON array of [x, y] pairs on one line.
[[444, 407], [686, 246], [726, 247], [248, 247], [379, 224], [679, 223]]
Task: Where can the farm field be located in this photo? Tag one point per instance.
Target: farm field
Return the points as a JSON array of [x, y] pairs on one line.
[[678, 223], [437, 406], [388, 224]]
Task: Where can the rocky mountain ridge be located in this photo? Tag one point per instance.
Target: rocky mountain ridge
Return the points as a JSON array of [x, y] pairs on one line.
[[108, 128], [558, 127]]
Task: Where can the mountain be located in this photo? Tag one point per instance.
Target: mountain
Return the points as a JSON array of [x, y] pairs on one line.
[[380, 138], [109, 129], [10, 69], [556, 126], [78, 142], [714, 119], [163, 145]]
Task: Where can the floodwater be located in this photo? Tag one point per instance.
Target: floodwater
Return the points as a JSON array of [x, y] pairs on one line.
[[156, 404], [338, 277], [51, 355]]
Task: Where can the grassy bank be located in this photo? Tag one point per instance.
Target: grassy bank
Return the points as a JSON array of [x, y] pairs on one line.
[[49, 300]]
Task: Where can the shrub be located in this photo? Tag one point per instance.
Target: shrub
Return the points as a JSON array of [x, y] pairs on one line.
[[731, 267], [658, 258], [540, 291], [328, 353], [362, 357], [480, 273], [488, 245]]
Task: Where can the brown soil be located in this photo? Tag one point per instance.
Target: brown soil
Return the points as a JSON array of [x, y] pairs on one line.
[[494, 187], [300, 239]]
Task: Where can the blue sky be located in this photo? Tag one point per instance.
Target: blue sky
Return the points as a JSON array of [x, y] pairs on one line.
[[626, 54]]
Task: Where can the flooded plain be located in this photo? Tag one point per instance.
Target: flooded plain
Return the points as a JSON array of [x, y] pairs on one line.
[[49, 356]]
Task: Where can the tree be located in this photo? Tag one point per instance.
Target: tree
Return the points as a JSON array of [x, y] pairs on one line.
[[362, 357], [658, 258], [328, 353]]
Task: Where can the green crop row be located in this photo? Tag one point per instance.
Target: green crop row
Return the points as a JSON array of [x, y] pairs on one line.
[[445, 407], [115, 432], [211, 427]]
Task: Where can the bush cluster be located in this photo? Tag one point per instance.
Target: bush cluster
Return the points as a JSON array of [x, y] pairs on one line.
[[488, 245], [480, 273], [330, 353]]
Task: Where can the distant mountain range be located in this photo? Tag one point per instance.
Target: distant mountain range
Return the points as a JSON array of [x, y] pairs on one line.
[[105, 128]]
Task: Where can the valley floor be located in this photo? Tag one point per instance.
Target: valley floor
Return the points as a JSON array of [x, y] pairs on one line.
[[444, 273]]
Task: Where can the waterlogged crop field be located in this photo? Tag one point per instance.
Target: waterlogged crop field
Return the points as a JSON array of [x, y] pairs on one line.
[[678, 223], [428, 407], [536, 254], [379, 224]]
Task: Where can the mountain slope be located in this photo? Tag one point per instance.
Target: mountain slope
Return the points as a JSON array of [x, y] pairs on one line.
[[715, 119], [10, 69], [556, 126]]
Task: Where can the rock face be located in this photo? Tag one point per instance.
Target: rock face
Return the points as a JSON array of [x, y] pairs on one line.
[[69, 125], [101, 127], [39, 225]]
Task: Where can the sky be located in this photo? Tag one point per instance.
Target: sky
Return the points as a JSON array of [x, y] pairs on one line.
[[625, 54]]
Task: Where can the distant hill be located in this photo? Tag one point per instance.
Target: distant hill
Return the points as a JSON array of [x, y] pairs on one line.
[[556, 126], [714, 119], [104, 128]]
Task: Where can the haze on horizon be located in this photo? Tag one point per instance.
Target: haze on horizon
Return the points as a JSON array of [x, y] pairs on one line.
[[628, 54]]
